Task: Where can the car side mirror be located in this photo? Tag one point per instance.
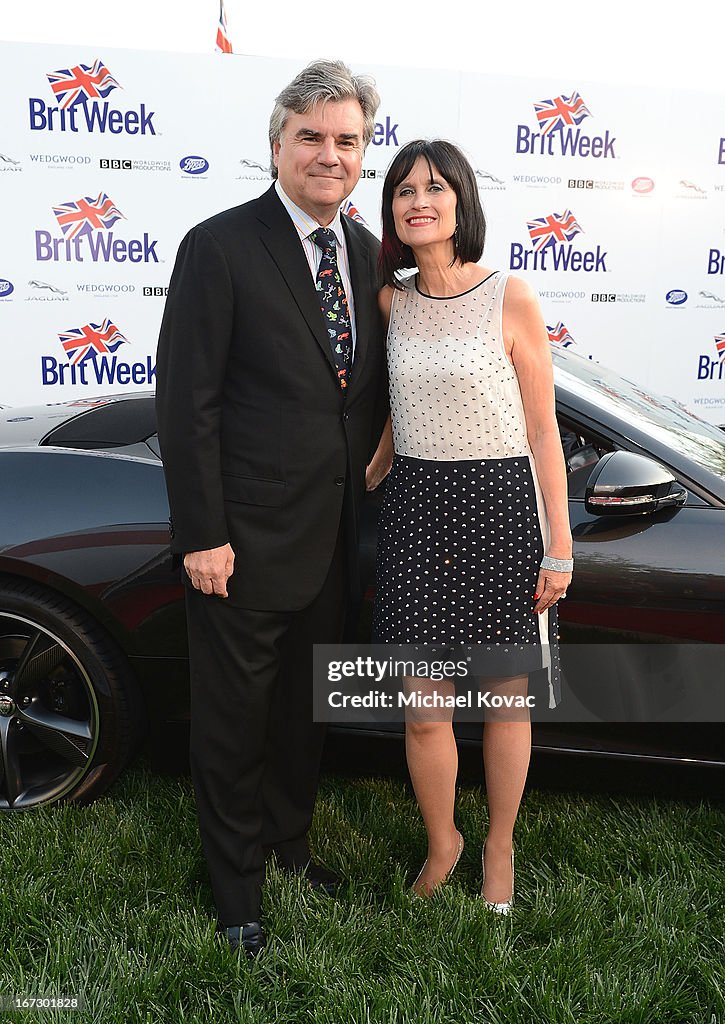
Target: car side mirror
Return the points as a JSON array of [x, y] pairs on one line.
[[627, 484]]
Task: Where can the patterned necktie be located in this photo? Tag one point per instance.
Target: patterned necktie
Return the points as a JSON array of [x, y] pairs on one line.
[[333, 303]]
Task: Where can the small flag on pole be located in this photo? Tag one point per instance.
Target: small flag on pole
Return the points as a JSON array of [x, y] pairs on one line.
[[223, 43]]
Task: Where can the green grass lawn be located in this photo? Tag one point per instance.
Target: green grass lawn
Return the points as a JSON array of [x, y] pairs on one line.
[[618, 917]]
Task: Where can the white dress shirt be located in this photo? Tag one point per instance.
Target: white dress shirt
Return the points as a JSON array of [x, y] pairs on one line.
[[305, 225]]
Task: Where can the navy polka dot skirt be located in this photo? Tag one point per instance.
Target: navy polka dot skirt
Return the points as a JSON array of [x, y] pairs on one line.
[[459, 550]]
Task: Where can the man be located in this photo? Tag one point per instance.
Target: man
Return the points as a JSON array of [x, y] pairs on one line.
[[270, 402]]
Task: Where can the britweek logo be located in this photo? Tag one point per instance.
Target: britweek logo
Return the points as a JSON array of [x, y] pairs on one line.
[[559, 335], [91, 358], [709, 368], [385, 133], [86, 225], [551, 247], [81, 95], [721, 152], [559, 134], [351, 211], [716, 262]]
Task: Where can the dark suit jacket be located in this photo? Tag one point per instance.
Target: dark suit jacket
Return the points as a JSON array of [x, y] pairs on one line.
[[259, 445]]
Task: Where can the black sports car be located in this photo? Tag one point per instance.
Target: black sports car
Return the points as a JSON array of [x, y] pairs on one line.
[[92, 627]]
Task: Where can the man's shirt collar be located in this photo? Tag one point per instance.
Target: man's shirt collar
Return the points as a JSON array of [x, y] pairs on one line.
[[304, 223]]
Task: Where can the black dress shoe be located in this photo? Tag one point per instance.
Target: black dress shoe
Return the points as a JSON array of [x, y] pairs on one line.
[[249, 937], [319, 878]]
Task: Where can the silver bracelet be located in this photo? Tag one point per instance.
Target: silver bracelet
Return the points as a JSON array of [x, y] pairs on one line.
[[557, 564]]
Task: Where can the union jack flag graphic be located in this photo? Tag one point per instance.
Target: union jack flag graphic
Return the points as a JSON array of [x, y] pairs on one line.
[[223, 42], [560, 335], [720, 345], [556, 227], [82, 83], [561, 112], [80, 343], [83, 216], [350, 210]]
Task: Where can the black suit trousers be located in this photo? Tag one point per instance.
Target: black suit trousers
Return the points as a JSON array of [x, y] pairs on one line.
[[255, 751]]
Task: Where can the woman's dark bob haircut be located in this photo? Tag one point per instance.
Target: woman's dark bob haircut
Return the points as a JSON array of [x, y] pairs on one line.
[[451, 164]]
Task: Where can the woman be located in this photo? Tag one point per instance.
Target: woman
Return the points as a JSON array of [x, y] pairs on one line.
[[474, 545]]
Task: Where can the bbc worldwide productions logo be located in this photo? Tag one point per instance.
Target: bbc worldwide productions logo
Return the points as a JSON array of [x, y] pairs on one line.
[[83, 95]]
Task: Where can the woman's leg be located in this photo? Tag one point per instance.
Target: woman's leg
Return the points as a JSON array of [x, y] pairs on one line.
[[506, 755], [433, 765]]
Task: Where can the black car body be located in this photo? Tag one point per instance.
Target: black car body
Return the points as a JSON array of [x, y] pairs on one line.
[[92, 624]]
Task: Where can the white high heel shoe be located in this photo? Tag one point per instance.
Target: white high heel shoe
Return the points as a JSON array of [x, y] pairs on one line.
[[507, 905]]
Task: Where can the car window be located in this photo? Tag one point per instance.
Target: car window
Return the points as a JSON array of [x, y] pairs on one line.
[[581, 454], [661, 417]]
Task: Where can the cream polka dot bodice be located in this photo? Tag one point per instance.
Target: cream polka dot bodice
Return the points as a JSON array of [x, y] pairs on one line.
[[453, 392]]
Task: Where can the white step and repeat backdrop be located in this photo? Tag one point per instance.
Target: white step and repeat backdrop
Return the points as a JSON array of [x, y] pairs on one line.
[[610, 201]]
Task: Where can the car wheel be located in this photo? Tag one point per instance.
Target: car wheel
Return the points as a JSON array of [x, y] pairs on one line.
[[70, 711]]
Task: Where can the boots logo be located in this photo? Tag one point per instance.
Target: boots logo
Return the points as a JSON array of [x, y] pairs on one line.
[[81, 103], [559, 134], [86, 225], [551, 249], [559, 335], [91, 358]]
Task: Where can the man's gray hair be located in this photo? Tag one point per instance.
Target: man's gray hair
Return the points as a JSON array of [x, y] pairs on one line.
[[320, 81]]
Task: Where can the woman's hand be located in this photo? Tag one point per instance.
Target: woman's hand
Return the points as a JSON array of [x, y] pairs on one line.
[[550, 587], [379, 466]]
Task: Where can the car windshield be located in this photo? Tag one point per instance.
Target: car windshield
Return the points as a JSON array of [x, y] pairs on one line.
[[660, 417]]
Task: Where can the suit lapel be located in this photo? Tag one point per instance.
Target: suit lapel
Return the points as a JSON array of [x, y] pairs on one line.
[[362, 290], [282, 241]]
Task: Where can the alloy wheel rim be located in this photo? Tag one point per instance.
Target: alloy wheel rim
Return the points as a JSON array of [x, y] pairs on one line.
[[49, 715]]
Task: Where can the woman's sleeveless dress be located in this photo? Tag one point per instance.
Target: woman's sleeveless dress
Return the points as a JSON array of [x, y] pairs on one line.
[[463, 526]]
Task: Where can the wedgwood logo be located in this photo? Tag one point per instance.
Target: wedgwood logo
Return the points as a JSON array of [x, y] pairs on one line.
[[60, 161]]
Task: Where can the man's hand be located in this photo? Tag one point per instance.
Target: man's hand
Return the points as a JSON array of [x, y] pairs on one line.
[[209, 570]]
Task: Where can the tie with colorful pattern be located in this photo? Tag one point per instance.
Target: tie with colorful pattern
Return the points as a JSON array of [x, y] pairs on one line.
[[333, 303]]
